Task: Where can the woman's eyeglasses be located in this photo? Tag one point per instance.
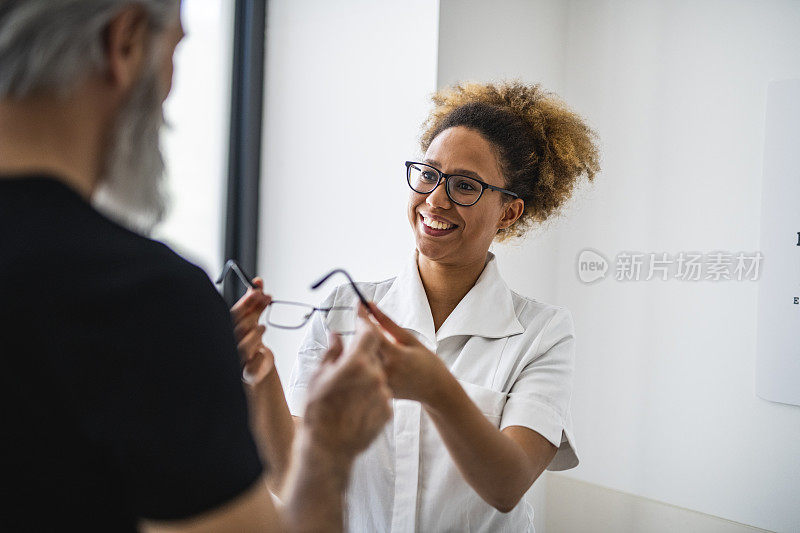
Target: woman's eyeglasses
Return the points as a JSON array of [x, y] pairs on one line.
[[462, 190], [284, 314]]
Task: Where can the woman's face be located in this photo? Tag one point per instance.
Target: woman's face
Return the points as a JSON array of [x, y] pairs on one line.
[[469, 230]]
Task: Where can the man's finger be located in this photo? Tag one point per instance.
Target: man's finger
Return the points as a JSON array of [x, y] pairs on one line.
[[258, 366], [251, 341], [334, 348], [389, 350], [384, 339], [368, 336], [246, 321], [245, 325], [399, 334], [244, 304], [250, 298], [254, 301]]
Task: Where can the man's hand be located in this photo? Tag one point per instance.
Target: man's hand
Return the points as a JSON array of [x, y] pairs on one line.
[[257, 359], [349, 400]]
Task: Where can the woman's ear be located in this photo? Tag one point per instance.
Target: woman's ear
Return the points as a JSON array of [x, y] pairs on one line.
[[511, 212]]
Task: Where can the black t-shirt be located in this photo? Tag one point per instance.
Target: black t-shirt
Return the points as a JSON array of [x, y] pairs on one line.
[[120, 387]]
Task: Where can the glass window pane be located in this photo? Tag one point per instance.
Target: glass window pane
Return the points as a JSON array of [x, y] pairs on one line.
[[196, 142]]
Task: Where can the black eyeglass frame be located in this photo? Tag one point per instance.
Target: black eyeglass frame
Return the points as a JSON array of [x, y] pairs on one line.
[[446, 178], [232, 265]]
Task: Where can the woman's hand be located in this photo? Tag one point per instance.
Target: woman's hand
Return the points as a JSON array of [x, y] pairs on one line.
[[519, 455], [413, 371], [257, 360]]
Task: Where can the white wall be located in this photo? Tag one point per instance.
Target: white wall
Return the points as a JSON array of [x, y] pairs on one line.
[[664, 404], [483, 41], [347, 87]]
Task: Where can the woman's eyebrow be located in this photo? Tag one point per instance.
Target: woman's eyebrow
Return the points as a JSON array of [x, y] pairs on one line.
[[459, 171]]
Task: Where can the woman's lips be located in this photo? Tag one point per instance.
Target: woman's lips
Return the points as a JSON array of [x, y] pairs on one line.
[[434, 232]]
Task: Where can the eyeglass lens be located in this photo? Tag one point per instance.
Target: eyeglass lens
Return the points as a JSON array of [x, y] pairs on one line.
[[292, 315], [462, 189], [288, 315]]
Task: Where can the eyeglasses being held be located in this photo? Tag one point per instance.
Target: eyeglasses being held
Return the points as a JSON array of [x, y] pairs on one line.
[[286, 314]]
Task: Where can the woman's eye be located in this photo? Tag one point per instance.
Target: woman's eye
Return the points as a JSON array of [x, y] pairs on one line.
[[464, 186], [429, 176]]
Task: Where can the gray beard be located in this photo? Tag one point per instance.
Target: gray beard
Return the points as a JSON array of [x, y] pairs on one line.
[[131, 189]]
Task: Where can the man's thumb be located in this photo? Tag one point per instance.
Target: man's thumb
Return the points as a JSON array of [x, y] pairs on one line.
[[334, 348]]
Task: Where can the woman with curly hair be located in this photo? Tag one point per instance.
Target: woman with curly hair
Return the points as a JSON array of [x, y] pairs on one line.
[[482, 376]]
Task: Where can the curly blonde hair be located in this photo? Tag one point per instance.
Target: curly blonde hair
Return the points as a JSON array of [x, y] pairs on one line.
[[543, 147]]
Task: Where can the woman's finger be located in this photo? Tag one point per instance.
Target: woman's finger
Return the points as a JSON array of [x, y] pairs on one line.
[[361, 311], [399, 334]]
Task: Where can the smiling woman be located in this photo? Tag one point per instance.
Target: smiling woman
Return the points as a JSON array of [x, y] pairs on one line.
[[482, 376]]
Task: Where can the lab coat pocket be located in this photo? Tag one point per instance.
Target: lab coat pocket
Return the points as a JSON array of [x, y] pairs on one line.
[[490, 402]]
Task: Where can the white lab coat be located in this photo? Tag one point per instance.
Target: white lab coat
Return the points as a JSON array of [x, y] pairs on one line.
[[514, 357]]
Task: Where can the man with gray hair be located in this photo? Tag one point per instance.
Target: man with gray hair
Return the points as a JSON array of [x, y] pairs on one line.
[[121, 387]]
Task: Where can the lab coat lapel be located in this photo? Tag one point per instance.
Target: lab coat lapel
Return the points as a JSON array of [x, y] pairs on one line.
[[406, 302], [486, 311]]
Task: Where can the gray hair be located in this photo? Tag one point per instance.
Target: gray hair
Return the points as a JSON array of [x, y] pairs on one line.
[[55, 44]]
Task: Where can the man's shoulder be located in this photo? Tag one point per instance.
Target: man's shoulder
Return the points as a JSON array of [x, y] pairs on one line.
[[91, 259], [50, 234], [121, 246], [119, 257], [139, 265]]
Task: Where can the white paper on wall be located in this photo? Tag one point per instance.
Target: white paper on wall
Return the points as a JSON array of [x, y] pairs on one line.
[[778, 345]]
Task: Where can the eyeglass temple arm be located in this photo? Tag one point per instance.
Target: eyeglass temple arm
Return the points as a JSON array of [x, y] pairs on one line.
[[500, 189], [352, 284], [231, 264]]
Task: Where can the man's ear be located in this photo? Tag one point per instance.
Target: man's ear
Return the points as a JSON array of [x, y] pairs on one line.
[[511, 213], [126, 47]]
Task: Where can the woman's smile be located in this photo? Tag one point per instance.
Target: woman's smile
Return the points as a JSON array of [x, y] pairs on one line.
[[445, 231], [436, 226]]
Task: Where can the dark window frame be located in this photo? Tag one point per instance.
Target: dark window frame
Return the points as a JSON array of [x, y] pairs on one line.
[[244, 154]]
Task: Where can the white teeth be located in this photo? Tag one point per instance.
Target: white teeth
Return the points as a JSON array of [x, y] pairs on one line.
[[435, 224]]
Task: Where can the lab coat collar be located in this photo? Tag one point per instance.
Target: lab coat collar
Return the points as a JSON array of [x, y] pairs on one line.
[[406, 302], [486, 311]]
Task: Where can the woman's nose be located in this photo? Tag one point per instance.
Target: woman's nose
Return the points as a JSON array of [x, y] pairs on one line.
[[438, 198]]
